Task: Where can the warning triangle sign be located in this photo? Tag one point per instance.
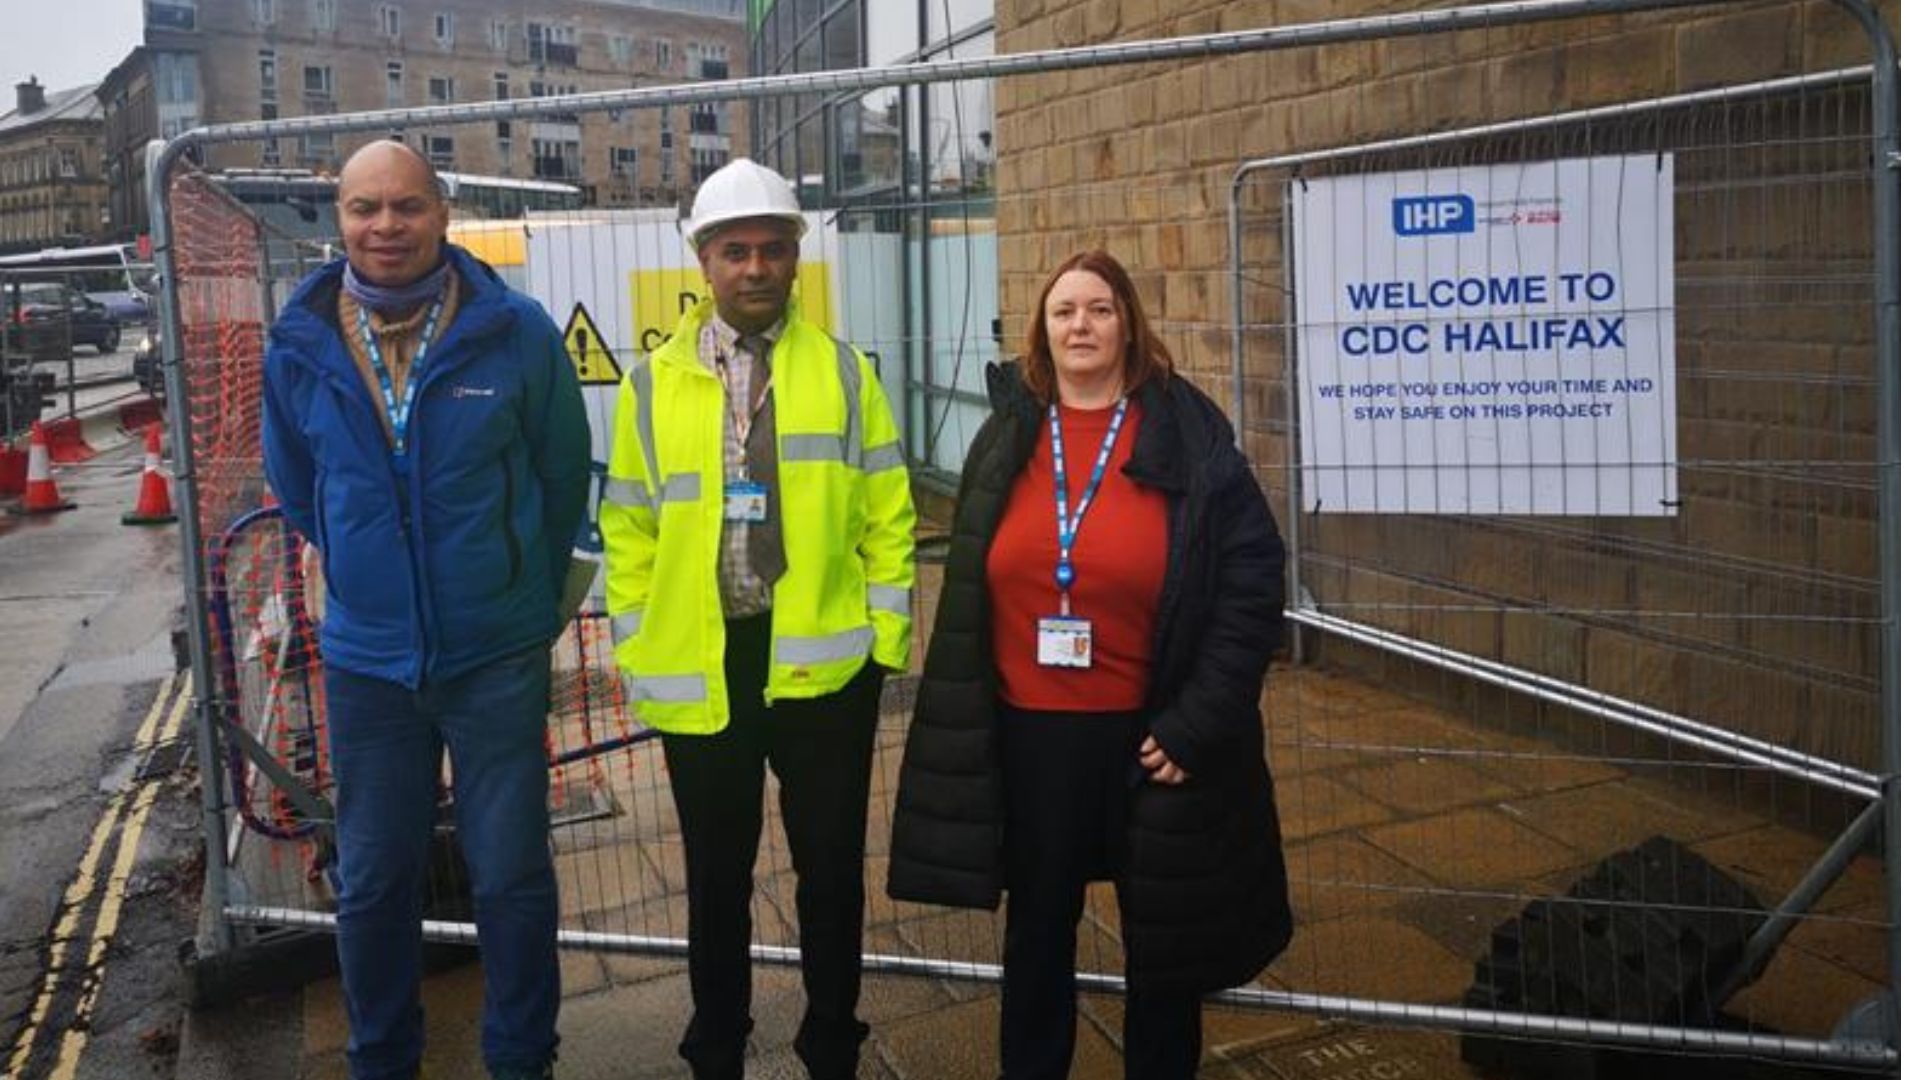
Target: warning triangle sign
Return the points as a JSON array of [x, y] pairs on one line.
[[592, 360]]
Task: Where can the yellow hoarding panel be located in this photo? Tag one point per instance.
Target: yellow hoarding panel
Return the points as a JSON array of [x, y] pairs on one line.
[[659, 296]]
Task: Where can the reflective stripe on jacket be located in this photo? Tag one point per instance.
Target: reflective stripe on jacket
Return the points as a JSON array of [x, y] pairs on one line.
[[846, 518]]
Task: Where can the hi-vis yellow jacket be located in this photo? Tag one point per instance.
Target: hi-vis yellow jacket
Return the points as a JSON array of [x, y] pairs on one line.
[[846, 518]]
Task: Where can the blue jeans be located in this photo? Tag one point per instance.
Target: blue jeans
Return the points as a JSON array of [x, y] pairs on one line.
[[386, 743]]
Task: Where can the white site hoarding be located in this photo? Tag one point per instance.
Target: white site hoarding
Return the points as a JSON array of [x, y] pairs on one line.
[[1487, 339]]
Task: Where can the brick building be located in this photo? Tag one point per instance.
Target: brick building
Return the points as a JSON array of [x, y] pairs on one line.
[[238, 60], [52, 192]]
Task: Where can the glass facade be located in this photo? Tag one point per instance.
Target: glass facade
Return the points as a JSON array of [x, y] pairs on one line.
[[909, 174]]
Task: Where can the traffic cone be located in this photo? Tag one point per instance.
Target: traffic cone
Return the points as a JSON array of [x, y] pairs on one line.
[[42, 496], [154, 506]]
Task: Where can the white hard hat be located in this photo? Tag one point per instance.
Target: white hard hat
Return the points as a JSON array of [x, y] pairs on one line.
[[742, 189]]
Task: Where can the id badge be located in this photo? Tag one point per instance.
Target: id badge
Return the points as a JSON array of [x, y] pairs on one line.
[[746, 501], [1066, 641]]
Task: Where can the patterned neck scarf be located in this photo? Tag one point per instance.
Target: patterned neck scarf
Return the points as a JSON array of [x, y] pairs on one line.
[[392, 300]]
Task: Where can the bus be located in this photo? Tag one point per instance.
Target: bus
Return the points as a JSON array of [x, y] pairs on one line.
[[503, 197], [300, 203], [111, 274]]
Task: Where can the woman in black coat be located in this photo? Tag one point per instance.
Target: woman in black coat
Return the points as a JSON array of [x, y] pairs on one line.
[[1090, 705]]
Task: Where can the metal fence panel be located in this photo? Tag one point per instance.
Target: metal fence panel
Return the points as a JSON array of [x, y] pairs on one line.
[[1447, 740]]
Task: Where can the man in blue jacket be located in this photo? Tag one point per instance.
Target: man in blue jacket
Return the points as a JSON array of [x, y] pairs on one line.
[[424, 430]]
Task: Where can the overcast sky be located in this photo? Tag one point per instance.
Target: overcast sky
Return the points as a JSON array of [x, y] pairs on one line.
[[64, 42]]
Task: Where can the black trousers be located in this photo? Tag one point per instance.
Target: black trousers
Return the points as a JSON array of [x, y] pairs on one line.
[[1067, 781], [821, 751]]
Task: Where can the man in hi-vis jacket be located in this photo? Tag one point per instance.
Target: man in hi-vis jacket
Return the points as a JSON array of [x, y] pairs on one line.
[[759, 541]]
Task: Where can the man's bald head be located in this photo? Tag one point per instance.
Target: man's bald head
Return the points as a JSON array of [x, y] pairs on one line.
[[385, 154], [393, 214]]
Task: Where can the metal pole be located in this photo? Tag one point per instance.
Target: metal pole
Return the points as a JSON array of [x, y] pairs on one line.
[[1886, 299], [1826, 870], [1442, 1017], [160, 158], [1194, 47], [1732, 744]]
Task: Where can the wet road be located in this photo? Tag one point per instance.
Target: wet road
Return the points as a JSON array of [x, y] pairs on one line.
[[87, 611]]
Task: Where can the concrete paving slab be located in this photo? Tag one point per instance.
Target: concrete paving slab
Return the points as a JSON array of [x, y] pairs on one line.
[[1475, 848], [1602, 819], [1771, 858], [1801, 994], [1426, 785], [1374, 956], [1315, 805], [1332, 876]]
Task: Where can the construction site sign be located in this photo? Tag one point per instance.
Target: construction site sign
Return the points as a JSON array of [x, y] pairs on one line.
[[1488, 339], [593, 361]]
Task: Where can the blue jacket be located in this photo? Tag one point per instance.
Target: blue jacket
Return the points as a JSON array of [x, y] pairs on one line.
[[453, 555]]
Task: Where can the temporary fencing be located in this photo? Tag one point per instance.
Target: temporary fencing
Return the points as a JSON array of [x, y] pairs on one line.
[[1567, 770]]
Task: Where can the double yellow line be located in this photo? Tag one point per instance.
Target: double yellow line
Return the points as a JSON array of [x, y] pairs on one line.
[[126, 817]]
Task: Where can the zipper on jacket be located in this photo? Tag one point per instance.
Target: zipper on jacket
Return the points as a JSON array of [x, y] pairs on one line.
[[1179, 555], [506, 522]]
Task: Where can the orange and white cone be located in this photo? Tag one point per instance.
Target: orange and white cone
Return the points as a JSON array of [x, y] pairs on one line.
[[155, 505], [42, 496]]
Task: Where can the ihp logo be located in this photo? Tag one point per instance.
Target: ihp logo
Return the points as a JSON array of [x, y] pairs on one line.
[[1432, 215]]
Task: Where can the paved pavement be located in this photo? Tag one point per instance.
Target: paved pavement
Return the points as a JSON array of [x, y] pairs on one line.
[[1402, 865]]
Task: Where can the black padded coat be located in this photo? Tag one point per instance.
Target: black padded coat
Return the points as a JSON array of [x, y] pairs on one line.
[[1207, 905]]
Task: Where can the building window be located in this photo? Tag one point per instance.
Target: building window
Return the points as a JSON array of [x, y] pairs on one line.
[[263, 13], [443, 27], [269, 75], [499, 35], [316, 149], [69, 162], [503, 150], [662, 53], [439, 150], [556, 159], [440, 89], [502, 89], [666, 147], [270, 149], [386, 18], [706, 163], [550, 43], [326, 15], [623, 161], [396, 85], [170, 14], [620, 48], [316, 81]]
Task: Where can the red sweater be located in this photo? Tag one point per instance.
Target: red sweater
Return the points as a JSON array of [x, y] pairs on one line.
[[1119, 562]]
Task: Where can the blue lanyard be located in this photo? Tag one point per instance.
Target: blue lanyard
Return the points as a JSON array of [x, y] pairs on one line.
[[1070, 526], [400, 411]]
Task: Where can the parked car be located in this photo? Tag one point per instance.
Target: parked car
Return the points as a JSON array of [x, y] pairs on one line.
[[45, 318], [127, 307]]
